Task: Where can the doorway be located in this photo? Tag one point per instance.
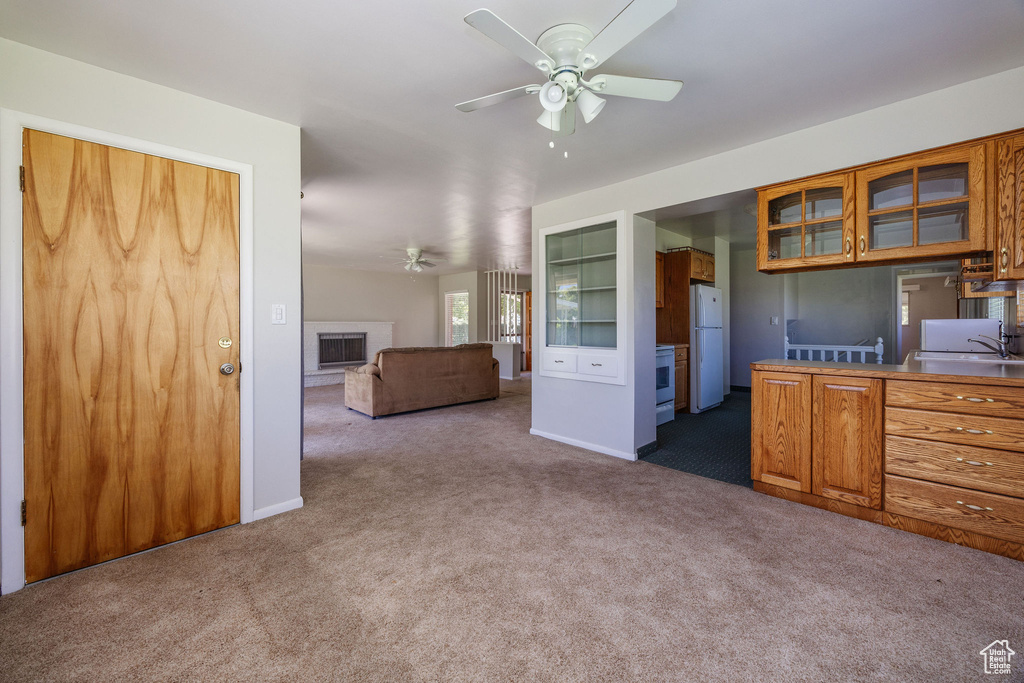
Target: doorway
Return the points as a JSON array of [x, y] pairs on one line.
[[131, 330], [922, 297]]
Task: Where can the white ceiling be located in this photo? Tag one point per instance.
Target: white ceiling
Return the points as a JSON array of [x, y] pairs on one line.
[[389, 163]]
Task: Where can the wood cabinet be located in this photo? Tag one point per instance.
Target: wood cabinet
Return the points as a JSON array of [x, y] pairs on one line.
[[818, 435], [780, 430], [924, 205], [1009, 209], [659, 279], [933, 204], [682, 401], [847, 443], [808, 223], [702, 266]]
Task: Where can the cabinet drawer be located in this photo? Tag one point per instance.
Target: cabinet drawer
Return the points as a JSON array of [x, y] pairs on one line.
[[602, 366], [983, 469], [971, 430], [682, 353], [559, 361], [974, 399], [985, 513]]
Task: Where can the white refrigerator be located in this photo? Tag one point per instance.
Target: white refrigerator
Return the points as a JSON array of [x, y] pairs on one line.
[[707, 362]]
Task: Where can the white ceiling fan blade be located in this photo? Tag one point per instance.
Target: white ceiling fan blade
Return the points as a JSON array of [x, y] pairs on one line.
[[498, 97], [567, 125], [637, 17], [428, 264], [488, 23], [628, 86]]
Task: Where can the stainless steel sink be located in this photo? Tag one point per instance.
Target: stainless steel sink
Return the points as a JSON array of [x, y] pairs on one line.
[[966, 357]]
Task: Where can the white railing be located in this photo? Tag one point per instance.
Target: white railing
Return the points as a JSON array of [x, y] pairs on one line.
[[838, 353]]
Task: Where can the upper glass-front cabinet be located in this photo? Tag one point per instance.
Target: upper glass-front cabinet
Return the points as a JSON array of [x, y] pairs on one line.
[[806, 223], [930, 204], [583, 305]]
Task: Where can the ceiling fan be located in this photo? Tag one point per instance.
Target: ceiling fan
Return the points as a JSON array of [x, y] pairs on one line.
[[564, 53], [415, 262]]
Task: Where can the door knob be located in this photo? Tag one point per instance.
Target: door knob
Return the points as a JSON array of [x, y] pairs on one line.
[[227, 369]]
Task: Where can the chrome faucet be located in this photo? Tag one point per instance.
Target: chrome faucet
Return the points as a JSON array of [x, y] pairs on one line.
[[1000, 347]]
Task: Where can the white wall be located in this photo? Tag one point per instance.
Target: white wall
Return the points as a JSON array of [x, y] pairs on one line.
[[43, 84], [344, 295], [981, 107], [756, 297]]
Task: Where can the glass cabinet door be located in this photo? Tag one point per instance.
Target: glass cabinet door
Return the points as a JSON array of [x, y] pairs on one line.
[[806, 223], [581, 287], [931, 204]]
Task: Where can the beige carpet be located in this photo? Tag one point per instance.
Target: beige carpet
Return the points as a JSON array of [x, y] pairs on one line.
[[450, 545]]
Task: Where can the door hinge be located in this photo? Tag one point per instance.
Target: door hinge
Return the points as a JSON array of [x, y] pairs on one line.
[[21, 177], [24, 516]]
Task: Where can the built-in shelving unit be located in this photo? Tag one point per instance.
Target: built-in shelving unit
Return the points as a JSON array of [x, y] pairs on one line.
[[583, 305]]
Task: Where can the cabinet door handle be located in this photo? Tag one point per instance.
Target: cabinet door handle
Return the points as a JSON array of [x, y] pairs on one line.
[[849, 246], [1005, 259], [973, 507], [974, 462], [973, 431], [862, 244], [559, 361], [596, 365], [975, 400]]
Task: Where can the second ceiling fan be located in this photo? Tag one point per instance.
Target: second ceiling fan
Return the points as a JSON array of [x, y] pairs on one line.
[[565, 53]]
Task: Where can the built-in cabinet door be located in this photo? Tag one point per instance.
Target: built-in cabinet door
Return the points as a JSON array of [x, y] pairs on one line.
[[781, 429], [709, 268], [848, 437], [930, 204], [1009, 264], [807, 223]]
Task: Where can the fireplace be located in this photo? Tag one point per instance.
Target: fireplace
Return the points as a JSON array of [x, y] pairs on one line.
[[338, 349]]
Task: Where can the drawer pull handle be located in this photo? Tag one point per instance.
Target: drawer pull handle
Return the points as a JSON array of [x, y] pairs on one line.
[[974, 431], [596, 365], [973, 507], [559, 361], [976, 400], [974, 462], [862, 245]]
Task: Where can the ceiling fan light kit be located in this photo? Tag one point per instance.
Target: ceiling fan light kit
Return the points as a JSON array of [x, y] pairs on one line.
[[564, 52]]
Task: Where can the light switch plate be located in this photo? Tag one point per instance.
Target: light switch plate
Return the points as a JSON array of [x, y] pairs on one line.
[[775, 320], [278, 314]]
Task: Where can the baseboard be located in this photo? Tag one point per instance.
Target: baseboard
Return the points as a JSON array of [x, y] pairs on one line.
[[647, 449], [583, 444], [271, 510], [745, 390]]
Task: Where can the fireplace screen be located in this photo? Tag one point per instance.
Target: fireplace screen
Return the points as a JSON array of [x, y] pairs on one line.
[[338, 349]]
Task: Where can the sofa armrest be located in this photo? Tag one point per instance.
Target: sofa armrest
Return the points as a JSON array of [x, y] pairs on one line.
[[368, 369], [363, 389]]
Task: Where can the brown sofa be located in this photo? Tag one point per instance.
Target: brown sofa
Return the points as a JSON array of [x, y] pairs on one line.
[[399, 380]]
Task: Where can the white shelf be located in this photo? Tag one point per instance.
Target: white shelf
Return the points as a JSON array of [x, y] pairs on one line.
[[581, 259]]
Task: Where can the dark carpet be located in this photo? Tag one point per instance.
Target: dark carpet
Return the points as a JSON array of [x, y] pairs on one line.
[[714, 444]]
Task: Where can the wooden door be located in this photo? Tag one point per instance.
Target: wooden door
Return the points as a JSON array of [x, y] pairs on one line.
[[659, 279], [780, 435], [527, 331], [1010, 209], [130, 281], [673, 319], [709, 269], [848, 438]]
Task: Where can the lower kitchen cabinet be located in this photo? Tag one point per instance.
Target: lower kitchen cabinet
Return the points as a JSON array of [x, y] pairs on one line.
[[818, 435], [780, 430], [848, 441], [682, 378]]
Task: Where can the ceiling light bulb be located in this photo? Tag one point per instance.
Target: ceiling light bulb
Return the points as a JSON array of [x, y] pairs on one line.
[[553, 96], [551, 144], [566, 155]]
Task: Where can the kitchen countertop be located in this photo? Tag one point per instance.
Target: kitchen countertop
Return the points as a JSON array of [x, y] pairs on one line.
[[939, 370]]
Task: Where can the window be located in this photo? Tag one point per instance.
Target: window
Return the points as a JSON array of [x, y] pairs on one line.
[[456, 316]]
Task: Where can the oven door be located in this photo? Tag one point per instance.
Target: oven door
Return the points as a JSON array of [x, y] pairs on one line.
[[665, 376]]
